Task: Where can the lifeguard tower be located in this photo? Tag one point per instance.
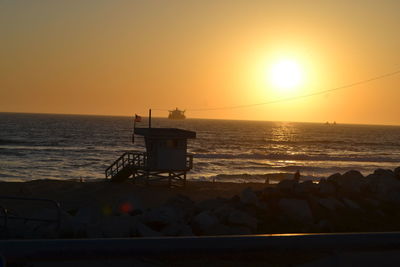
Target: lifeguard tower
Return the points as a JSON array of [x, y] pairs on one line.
[[165, 160]]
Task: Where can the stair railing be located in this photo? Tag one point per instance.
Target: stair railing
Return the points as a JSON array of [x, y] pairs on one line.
[[131, 159]]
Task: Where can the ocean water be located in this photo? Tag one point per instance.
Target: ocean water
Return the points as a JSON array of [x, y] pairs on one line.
[[46, 146]]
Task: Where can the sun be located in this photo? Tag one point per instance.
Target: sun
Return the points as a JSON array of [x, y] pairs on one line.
[[285, 75]]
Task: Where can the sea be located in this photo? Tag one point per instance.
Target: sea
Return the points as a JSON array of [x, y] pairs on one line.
[[50, 146]]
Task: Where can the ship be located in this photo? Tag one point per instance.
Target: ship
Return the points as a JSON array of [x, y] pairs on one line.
[[176, 114]]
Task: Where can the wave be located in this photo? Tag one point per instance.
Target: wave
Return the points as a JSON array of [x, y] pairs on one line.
[[333, 142], [4, 142], [280, 156]]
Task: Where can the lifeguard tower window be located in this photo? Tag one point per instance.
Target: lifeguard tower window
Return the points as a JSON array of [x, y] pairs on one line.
[[173, 143]]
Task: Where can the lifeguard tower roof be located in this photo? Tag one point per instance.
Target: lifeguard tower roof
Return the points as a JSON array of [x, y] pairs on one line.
[[165, 133]]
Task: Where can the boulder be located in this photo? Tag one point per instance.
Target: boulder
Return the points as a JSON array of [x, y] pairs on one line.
[[204, 220], [240, 218], [351, 204], [240, 230], [305, 187], [384, 172], [117, 226], [177, 229], [89, 214], [249, 197], [325, 226], [326, 188], [287, 186], [296, 209], [383, 183], [142, 230], [210, 204], [182, 203], [125, 205], [330, 203], [94, 231], [217, 229], [352, 182], [397, 172], [334, 178], [161, 216], [223, 212]]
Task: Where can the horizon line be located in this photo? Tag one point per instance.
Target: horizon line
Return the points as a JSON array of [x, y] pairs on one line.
[[198, 118]]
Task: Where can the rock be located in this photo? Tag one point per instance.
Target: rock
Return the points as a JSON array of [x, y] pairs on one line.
[[66, 225], [372, 202], [352, 182], [287, 186], [240, 230], [397, 172], [161, 216], [296, 209], [325, 226], [182, 203], [330, 203], [186, 230], [223, 212], [249, 197], [16, 229], [117, 226], [383, 183], [351, 204], [88, 214], [217, 229], [326, 188], [305, 187], [384, 172], [353, 174], [126, 205], [204, 220], [334, 178], [240, 218], [143, 230], [210, 204], [177, 229], [94, 231]]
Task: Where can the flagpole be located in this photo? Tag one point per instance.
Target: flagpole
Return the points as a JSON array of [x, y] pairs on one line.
[[134, 126], [149, 118]]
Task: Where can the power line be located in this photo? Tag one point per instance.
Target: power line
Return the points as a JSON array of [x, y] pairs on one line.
[[382, 76]]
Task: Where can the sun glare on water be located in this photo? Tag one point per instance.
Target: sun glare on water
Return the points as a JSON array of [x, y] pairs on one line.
[[285, 75]]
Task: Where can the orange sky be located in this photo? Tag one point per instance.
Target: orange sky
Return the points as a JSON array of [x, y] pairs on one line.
[[123, 57]]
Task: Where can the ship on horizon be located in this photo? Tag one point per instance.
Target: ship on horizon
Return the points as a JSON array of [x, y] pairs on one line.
[[176, 114]]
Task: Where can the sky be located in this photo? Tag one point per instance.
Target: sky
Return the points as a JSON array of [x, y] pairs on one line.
[[124, 57]]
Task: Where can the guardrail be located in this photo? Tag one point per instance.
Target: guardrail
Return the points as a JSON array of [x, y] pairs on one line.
[[95, 249], [9, 216]]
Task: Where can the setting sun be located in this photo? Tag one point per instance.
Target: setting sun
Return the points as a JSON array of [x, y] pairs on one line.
[[285, 75]]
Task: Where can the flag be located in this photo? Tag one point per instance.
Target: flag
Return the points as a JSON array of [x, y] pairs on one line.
[[138, 118]]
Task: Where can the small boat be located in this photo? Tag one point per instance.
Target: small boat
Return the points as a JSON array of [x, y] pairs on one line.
[[176, 114]]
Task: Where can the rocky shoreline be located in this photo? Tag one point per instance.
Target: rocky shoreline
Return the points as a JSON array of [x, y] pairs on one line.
[[346, 202]]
